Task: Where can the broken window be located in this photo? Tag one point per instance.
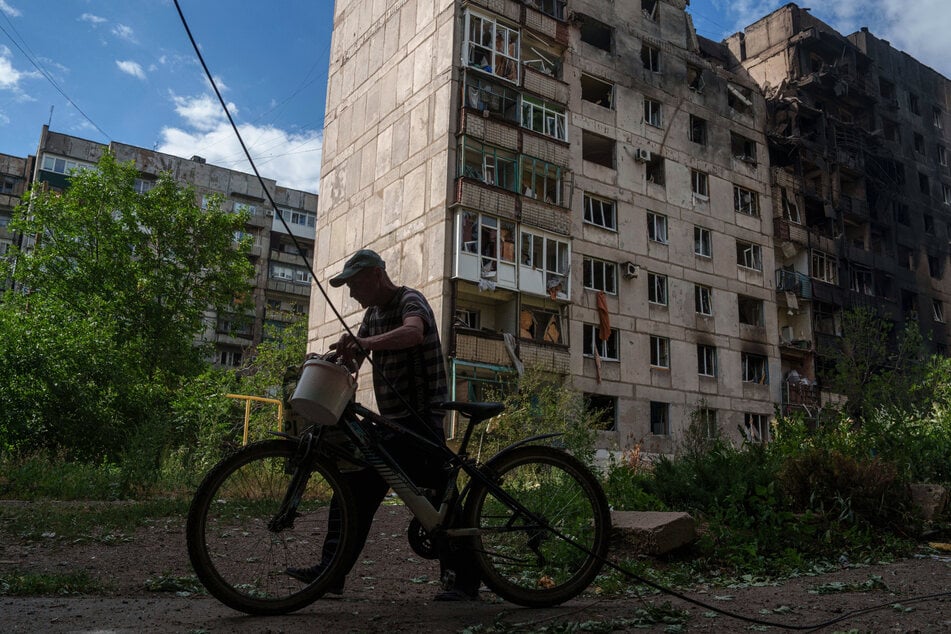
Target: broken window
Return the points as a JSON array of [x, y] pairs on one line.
[[649, 9], [739, 98], [745, 201], [654, 169], [656, 227], [650, 58], [909, 303], [700, 184], [698, 130], [600, 275], [544, 264], [929, 223], [545, 118], [886, 88], [541, 180], [657, 289], [825, 267], [790, 207], [599, 211], [652, 113], [491, 46], [937, 310], [923, 184], [913, 104], [491, 165], [554, 8], [890, 130], [756, 427], [743, 148], [919, 141], [491, 97], [703, 299], [597, 91], [660, 352], [539, 56], [695, 78], [942, 156], [900, 211], [750, 311], [860, 279], [946, 194], [540, 324], [936, 117], [660, 418], [597, 149], [596, 33], [607, 349], [907, 257], [706, 360], [702, 242], [749, 255]]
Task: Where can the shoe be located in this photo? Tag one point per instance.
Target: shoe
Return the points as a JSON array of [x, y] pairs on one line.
[[309, 575], [456, 595]]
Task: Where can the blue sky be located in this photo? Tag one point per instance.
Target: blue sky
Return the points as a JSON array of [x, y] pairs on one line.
[[131, 75]]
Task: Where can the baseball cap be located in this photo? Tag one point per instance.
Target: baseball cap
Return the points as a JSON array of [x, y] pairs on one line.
[[362, 259]]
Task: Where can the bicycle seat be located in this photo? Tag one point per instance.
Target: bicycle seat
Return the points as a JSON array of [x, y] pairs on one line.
[[475, 411]]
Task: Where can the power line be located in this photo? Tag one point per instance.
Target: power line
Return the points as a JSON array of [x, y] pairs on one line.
[[45, 74]]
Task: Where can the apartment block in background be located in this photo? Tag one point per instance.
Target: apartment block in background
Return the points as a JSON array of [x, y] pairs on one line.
[[281, 291], [579, 187]]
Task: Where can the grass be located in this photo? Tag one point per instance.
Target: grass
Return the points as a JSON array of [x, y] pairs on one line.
[[19, 583], [104, 522]]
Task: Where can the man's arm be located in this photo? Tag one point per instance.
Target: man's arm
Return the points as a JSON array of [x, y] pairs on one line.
[[406, 336]]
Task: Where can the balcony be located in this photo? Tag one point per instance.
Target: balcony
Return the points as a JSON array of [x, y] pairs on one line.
[[290, 288], [489, 131], [794, 282], [544, 85], [790, 231], [507, 8], [475, 195]]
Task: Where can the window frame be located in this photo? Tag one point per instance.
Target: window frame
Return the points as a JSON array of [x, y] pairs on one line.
[[588, 201], [659, 352], [653, 113], [659, 418], [551, 117], [706, 360], [748, 207], [703, 299], [749, 255], [510, 37], [657, 227], [608, 275], [545, 177], [700, 184], [656, 286], [492, 162], [826, 264], [754, 368], [702, 240], [650, 58], [608, 350]]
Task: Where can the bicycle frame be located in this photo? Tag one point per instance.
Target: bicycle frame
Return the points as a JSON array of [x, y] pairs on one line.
[[357, 423]]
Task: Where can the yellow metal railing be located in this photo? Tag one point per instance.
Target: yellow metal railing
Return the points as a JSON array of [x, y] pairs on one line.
[[247, 410]]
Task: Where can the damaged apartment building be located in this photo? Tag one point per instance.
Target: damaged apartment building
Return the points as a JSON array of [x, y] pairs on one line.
[[861, 192], [578, 187]]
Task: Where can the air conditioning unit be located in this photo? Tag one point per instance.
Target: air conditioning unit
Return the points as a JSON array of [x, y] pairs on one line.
[[641, 155], [269, 213], [786, 334], [629, 270]]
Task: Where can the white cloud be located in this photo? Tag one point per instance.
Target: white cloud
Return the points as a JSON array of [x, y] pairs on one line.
[[124, 32], [10, 77], [131, 68], [202, 113], [94, 20], [290, 158], [11, 11]]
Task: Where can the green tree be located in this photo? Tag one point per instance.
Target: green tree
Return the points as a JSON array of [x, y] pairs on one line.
[[107, 307]]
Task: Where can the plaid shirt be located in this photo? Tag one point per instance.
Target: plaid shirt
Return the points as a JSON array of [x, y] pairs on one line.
[[418, 373]]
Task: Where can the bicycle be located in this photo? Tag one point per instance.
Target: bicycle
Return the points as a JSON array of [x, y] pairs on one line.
[[535, 516]]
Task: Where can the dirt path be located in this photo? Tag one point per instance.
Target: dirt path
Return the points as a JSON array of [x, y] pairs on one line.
[[391, 591]]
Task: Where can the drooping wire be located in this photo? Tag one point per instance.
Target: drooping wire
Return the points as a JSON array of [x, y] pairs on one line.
[[49, 77], [363, 352], [267, 192]]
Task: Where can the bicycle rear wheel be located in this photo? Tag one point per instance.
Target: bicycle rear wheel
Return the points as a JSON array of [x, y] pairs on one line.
[[551, 551], [239, 546]]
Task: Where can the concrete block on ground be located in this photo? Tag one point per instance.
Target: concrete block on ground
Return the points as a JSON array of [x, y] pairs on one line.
[[651, 532]]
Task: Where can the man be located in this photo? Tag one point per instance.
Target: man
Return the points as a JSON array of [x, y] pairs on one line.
[[409, 380]]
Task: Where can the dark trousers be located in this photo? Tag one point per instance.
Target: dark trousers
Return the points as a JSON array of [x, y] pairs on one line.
[[369, 489]]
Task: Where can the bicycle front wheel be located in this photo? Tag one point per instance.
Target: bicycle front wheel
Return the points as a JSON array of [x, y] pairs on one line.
[[543, 534], [244, 530]]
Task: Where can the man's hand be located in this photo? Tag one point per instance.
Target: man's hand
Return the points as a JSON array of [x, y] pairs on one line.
[[348, 347]]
